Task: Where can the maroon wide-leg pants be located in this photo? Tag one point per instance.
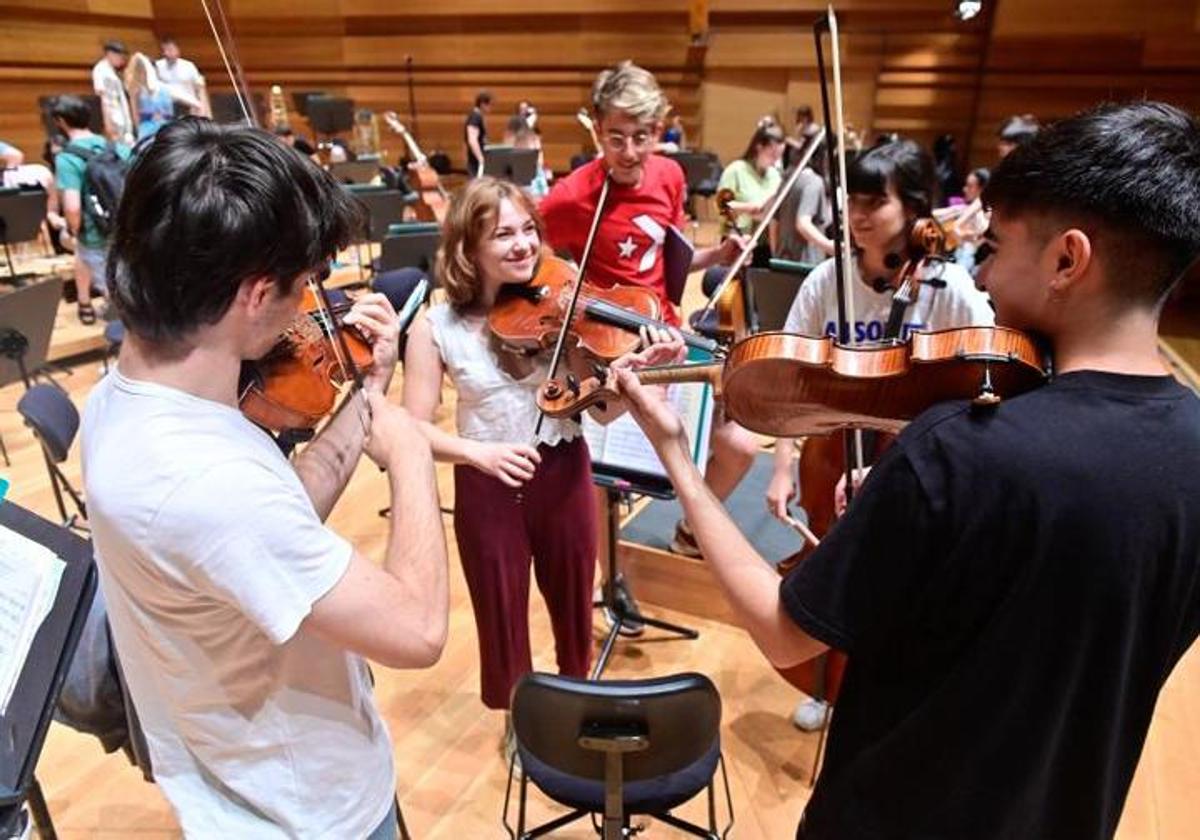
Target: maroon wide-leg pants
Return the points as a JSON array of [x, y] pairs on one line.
[[550, 520]]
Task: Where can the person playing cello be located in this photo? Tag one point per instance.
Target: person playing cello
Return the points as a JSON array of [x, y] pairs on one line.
[[1014, 583]]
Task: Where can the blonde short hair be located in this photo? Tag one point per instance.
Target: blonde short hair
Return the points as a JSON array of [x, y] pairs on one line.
[[632, 89], [471, 217]]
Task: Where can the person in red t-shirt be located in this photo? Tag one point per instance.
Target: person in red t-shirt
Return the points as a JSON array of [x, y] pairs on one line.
[[645, 197]]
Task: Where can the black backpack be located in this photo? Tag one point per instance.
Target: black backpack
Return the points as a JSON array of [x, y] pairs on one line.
[[103, 182]]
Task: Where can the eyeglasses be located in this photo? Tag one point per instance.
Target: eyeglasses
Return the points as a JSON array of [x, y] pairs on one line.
[[616, 141]]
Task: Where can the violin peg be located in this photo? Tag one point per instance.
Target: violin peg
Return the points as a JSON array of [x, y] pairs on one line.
[[573, 384]]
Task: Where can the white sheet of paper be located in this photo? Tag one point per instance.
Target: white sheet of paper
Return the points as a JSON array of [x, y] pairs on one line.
[[29, 578], [623, 444]]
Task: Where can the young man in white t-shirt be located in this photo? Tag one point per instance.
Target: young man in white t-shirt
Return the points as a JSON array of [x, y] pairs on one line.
[[240, 619], [114, 101], [181, 74], [889, 187]]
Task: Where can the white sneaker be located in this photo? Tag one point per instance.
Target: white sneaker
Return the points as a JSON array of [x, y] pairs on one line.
[[810, 714]]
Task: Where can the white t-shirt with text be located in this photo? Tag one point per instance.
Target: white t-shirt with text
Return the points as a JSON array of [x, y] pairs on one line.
[[950, 301], [210, 556]]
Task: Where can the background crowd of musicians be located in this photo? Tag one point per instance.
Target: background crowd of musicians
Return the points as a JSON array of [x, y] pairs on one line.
[[272, 621]]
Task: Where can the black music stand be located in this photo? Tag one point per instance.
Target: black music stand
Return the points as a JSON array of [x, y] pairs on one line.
[[416, 250], [300, 99], [385, 207], [26, 322], [227, 108], [617, 483], [511, 164], [329, 115], [27, 718], [21, 212]]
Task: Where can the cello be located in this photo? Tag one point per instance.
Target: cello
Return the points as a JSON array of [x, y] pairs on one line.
[[432, 198]]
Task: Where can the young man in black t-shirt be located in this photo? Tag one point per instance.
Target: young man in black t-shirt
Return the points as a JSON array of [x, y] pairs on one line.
[[1013, 584], [475, 133]]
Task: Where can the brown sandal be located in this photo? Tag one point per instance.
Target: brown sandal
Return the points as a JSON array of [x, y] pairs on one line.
[[87, 314]]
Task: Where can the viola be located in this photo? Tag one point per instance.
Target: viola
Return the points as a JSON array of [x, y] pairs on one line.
[[527, 317], [730, 305], [433, 202], [297, 382], [787, 385]]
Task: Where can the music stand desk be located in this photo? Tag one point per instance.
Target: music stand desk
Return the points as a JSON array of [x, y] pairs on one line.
[[511, 164], [21, 212], [31, 708]]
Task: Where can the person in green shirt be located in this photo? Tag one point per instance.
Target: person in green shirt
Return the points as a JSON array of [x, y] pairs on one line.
[[71, 117], [754, 178]]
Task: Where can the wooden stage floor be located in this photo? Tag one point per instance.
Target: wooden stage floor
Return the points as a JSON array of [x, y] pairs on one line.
[[451, 775]]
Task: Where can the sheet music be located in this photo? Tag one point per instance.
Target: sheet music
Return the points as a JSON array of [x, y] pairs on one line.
[[623, 444], [29, 578]]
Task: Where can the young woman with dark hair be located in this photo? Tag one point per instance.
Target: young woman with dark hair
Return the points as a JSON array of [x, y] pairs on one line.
[[754, 178], [890, 187]]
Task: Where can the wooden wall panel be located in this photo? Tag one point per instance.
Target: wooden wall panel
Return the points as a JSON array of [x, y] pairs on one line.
[[48, 47]]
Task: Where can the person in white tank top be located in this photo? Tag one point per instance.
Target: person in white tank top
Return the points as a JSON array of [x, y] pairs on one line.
[[517, 497]]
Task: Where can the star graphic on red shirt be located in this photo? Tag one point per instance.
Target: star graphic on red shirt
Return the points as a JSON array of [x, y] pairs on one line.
[[627, 247]]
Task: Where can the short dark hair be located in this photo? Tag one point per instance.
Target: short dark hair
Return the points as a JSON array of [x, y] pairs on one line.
[[901, 163], [167, 39], [115, 46], [1127, 175], [982, 175], [484, 97], [1019, 129], [72, 110], [208, 206]]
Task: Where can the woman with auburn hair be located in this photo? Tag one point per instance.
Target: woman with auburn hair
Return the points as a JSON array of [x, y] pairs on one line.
[[516, 498]]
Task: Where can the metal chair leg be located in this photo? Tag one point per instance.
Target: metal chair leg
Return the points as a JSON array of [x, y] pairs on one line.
[[40, 812]]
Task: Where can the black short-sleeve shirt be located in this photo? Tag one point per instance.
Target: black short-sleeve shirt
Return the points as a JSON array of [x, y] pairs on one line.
[[474, 118], [1013, 586]]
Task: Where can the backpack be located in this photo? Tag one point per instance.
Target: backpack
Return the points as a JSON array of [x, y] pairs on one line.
[[103, 182]]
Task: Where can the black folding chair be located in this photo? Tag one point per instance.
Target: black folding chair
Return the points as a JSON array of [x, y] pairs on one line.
[[49, 412], [616, 749]]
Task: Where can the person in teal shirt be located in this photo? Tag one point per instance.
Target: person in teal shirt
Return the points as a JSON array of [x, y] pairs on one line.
[[754, 178], [71, 117]]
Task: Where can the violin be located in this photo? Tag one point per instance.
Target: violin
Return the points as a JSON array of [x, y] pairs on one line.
[[787, 385], [730, 305], [433, 202], [527, 317], [297, 382]]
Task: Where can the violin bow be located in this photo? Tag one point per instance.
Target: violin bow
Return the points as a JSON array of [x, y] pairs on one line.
[[839, 198], [561, 341], [227, 49], [764, 223]]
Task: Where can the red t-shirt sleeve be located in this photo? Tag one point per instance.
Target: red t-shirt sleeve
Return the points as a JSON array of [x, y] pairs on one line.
[[558, 211], [679, 193]]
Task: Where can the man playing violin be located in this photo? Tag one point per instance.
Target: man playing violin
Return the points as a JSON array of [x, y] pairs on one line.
[[1014, 583], [241, 619], [646, 197]]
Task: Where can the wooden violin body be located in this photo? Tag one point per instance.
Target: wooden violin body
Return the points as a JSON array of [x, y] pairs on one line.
[[528, 317], [297, 382], [788, 385]]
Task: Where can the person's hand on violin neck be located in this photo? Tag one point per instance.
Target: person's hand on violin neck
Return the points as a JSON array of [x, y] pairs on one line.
[[394, 434], [375, 319], [512, 463]]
